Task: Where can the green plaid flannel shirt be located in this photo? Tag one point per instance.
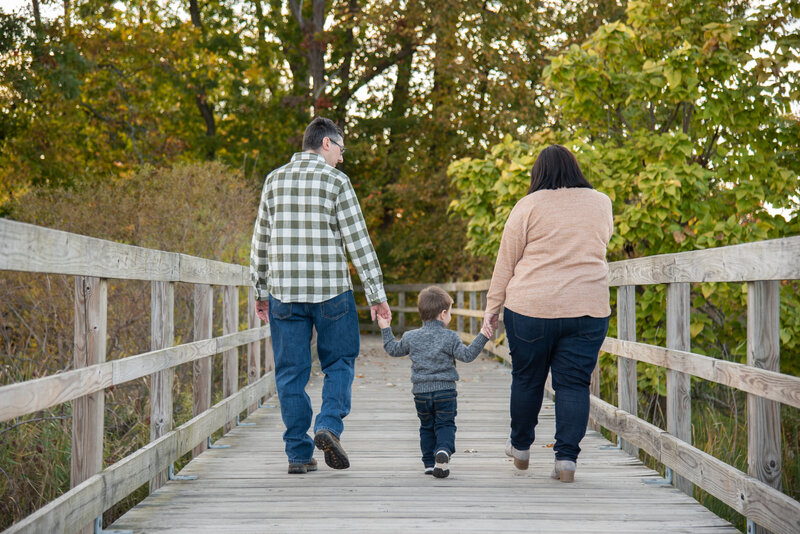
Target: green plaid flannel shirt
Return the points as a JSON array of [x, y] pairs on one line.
[[308, 215]]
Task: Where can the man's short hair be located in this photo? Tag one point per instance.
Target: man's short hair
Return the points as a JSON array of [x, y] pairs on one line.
[[432, 301], [319, 129]]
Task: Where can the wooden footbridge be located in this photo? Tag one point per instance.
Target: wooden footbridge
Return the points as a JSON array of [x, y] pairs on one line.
[[241, 483]]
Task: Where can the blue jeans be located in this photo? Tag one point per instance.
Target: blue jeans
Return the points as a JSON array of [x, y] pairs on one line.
[[567, 348], [338, 342], [437, 423]]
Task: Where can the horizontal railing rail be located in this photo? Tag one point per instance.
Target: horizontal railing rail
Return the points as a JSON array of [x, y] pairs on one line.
[[762, 265], [29, 248]]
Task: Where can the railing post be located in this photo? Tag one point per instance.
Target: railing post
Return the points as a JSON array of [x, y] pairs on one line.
[[230, 366], [679, 400], [162, 335], [201, 369], [763, 416], [460, 306], [626, 368], [91, 306], [401, 319], [254, 348], [473, 305]]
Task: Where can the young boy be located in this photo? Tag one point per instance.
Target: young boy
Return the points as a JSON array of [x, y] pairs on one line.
[[433, 350]]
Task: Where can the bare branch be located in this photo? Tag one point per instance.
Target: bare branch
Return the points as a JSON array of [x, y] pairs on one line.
[[297, 11], [671, 119]]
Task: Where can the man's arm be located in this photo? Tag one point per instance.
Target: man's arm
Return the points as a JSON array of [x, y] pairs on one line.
[[359, 246], [259, 267]]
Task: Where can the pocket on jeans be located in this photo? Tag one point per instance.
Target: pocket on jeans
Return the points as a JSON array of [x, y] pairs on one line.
[[336, 307], [527, 329], [445, 406], [422, 409], [593, 328], [280, 310]]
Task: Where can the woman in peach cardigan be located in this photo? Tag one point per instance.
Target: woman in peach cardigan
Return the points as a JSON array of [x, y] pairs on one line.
[[551, 276]]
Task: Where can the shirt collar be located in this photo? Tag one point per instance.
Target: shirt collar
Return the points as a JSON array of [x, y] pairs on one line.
[[307, 156], [433, 324]]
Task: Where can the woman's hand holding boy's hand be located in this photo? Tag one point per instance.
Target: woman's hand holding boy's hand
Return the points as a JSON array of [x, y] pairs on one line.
[[486, 330], [491, 321], [383, 322]]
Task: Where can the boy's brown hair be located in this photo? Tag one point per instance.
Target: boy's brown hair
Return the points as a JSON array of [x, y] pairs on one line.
[[432, 301]]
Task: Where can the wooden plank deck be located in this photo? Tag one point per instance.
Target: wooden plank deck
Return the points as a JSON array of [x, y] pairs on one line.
[[246, 488]]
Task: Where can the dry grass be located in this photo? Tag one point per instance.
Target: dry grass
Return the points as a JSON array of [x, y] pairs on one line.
[[204, 210]]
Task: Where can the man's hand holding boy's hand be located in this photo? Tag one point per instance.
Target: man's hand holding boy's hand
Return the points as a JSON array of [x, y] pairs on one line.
[[383, 322]]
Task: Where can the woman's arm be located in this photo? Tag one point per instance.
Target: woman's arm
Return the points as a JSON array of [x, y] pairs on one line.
[[512, 246]]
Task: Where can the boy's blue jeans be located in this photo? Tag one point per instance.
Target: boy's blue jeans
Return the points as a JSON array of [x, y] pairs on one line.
[[437, 423], [567, 348], [338, 343]]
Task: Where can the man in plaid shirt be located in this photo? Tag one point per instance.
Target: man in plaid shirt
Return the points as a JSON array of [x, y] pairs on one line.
[[308, 216]]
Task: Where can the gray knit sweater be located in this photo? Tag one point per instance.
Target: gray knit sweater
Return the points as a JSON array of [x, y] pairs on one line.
[[433, 350]]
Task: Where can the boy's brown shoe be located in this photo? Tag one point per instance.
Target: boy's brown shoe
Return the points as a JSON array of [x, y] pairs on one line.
[[335, 456], [301, 469]]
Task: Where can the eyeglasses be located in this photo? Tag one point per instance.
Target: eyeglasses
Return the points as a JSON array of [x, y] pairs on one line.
[[342, 149]]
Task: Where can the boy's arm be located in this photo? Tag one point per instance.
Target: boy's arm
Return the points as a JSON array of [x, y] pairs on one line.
[[467, 354], [391, 345]]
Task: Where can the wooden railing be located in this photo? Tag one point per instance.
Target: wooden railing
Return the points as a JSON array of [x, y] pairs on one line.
[[29, 248], [762, 266]]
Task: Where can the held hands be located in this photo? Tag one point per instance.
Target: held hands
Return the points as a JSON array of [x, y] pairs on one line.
[[262, 310], [381, 310], [490, 323], [383, 323]]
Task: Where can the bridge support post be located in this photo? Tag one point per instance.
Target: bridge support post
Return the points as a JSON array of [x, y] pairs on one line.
[[679, 400], [401, 316], [230, 367], [162, 335], [91, 319], [254, 348], [473, 305], [763, 416], [460, 306], [201, 370], [627, 386]]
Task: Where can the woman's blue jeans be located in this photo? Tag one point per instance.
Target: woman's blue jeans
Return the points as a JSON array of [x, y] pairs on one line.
[[338, 343], [437, 423], [568, 348]]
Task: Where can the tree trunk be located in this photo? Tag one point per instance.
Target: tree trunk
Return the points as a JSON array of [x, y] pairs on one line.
[[37, 17], [315, 47], [200, 97], [67, 13]]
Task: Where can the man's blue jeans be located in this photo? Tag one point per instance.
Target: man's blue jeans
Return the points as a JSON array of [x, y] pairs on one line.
[[567, 348], [338, 343], [437, 423]]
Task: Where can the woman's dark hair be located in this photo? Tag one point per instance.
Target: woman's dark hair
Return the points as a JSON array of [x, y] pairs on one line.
[[556, 167]]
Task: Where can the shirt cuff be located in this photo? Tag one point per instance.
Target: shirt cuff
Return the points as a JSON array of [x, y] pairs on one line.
[[375, 295]]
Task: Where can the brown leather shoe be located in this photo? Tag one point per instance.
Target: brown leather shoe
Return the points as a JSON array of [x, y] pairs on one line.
[[335, 456], [301, 469]]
